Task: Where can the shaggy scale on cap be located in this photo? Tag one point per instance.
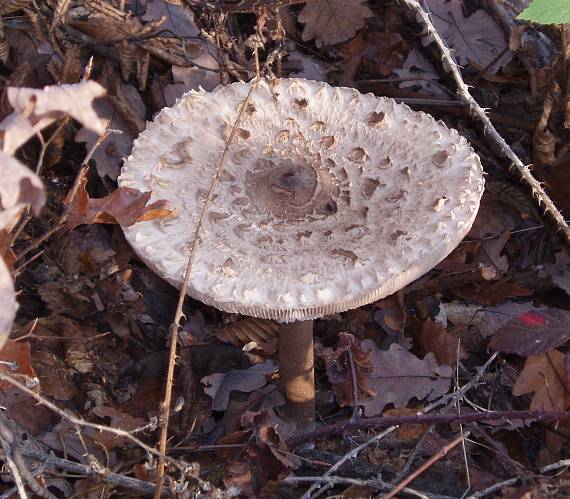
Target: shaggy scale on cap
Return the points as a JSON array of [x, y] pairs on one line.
[[328, 200]]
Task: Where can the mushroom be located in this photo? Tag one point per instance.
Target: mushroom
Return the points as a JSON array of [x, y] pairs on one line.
[[328, 200]]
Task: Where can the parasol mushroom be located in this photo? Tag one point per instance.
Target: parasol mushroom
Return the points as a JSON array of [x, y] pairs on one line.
[[328, 200]]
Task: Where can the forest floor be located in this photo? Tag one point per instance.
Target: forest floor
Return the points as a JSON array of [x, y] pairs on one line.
[[476, 401]]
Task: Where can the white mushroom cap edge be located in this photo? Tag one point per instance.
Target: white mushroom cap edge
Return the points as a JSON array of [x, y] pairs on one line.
[[328, 200]]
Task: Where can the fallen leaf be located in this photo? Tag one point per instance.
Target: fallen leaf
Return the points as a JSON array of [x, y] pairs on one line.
[[476, 37], [19, 187], [43, 106], [382, 378], [179, 20], [545, 376], [333, 21], [341, 372], [205, 75], [240, 474], [124, 206], [8, 304], [54, 375], [16, 361], [220, 385], [268, 455], [120, 420], [533, 333], [407, 432], [430, 336], [261, 332], [419, 73], [109, 154], [398, 376], [493, 292]]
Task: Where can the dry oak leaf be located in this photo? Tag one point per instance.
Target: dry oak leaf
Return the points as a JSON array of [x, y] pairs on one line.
[[477, 37], [545, 376], [398, 376], [43, 106], [333, 21], [533, 332], [124, 206], [431, 336]]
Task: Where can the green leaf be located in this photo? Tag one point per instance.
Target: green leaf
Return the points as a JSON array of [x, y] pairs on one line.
[[547, 12]]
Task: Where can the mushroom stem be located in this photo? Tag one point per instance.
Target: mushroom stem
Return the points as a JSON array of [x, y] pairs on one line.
[[296, 373]]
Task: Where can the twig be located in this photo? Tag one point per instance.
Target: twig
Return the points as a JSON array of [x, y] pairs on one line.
[[436, 457], [82, 469], [493, 488], [442, 401], [386, 421], [375, 483], [465, 388], [524, 171], [14, 469], [18, 465], [417, 449], [174, 328], [350, 455], [75, 421], [554, 466]]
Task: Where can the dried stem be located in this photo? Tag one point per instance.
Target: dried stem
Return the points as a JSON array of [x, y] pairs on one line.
[[386, 421], [350, 455], [430, 462], [524, 171], [114, 479], [18, 465], [174, 328]]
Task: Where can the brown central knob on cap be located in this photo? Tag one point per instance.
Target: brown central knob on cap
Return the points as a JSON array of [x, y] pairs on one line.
[[291, 191], [294, 184]]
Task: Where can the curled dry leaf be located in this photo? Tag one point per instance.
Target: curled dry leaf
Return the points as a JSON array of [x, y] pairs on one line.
[[269, 453], [124, 206], [432, 337], [545, 376], [349, 357], [533, 332], [262, 332], [9, 6], [43, 106], [220, 385], [333, 21]]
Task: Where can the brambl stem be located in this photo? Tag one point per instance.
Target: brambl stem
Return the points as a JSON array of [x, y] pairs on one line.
[[296, 374]]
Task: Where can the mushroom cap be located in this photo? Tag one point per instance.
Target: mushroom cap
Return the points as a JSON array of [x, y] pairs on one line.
[[328, 199]]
